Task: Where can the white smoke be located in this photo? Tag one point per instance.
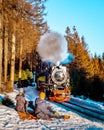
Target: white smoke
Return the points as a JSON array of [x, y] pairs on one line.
[[53, 47]]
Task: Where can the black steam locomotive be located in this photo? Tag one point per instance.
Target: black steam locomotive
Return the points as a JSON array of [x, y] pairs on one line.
[[57, 87]]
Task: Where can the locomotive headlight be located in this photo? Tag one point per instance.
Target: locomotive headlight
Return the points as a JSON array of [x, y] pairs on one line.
[[55, 86]]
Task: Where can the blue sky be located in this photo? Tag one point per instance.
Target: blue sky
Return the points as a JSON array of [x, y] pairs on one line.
[[86, 15]]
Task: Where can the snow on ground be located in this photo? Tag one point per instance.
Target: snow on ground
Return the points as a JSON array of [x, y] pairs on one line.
[[9, 119]]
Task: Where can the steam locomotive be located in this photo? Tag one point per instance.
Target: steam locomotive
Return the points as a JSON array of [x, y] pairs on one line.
[[57, 88]]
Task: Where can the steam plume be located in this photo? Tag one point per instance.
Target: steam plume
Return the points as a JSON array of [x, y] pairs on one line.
[[53, 48]]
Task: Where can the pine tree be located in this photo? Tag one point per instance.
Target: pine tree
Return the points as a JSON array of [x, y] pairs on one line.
[[80, 67]]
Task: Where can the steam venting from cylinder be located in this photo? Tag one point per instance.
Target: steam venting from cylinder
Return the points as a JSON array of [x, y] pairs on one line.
[[53, 48]]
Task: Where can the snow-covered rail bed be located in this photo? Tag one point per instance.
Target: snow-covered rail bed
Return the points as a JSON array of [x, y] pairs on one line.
[[95, 106], [85, 108], [9, 119]]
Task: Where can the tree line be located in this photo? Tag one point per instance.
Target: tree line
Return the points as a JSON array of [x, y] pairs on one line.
[[22, 22], [86, 71], [21, 25]]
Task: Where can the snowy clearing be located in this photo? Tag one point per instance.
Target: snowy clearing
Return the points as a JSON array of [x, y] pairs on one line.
[[9, 119]]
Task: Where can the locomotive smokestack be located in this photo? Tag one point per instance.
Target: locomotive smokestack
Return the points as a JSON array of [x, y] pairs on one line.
[[58, 63]]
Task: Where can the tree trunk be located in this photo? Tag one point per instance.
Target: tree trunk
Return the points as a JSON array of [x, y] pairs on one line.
[[20, 63], [1, 44], [21, 47], [5, 56], [12, 62]]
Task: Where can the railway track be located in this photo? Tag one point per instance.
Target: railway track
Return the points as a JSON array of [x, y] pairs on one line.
[[88, 110]]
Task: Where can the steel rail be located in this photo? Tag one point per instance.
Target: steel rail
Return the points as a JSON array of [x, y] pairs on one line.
[[92, 112]]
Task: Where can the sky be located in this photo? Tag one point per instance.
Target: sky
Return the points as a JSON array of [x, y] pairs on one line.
[[86, 15]]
